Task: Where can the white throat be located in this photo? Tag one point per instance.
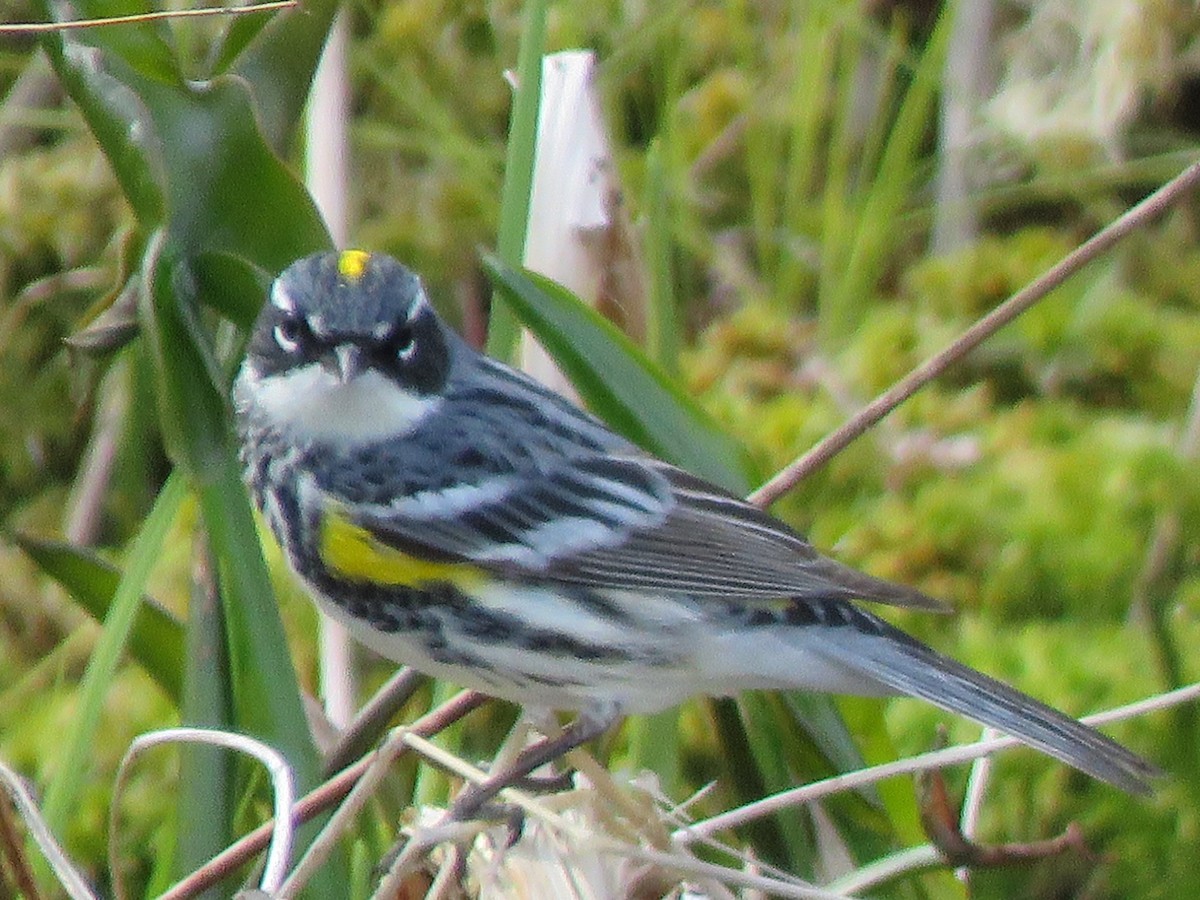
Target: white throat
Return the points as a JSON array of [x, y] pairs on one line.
[[314, 404]]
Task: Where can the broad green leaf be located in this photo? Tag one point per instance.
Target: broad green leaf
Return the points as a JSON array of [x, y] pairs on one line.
[[90, 64], [618, 382], [232, 285], [226, 190], [156, 638], [189, 154], [278, 64], [194, 410]]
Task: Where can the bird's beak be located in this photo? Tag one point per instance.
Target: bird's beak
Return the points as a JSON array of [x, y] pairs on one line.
[[345, 362]]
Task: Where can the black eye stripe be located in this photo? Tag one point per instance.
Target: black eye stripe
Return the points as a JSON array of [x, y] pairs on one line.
[[292, 334], [400, 341]]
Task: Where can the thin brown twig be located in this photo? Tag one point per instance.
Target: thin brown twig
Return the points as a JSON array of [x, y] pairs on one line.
[[51, 27], [371, 721], [941, 822], [1036, 290], [313, 803]]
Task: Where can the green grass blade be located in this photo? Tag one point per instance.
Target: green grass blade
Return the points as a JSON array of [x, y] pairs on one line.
[[662, 318], [876, 234], [776, 842], [820, 36], [74, 766], [518, 167]]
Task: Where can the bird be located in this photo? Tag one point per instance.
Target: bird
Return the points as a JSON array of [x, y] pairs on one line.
[[462, 519]]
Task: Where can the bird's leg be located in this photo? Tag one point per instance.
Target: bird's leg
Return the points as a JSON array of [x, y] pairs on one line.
[[582, 730], [546, 723]]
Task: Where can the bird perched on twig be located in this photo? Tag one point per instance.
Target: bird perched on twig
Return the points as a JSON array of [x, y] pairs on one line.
[[464, 520]]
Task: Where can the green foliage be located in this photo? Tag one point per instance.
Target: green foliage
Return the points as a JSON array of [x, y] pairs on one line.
[[58, 210], [195, 161]]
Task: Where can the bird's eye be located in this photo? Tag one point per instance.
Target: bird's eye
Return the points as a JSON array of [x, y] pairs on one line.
[[291, 334], [401, 342]]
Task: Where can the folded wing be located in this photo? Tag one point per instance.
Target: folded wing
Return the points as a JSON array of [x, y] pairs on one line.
[[628, 523]]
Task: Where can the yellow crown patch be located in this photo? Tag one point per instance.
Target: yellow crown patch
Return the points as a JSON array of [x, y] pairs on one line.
[[352, 263]]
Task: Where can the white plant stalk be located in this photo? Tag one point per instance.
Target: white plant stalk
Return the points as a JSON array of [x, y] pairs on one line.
[[576, 234], [327, 178]]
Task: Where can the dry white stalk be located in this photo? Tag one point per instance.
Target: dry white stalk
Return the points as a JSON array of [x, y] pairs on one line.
[[283, 787], [70, 879], [326, 168], [936, 759], [575, 233], [340, 821], [972, 807]]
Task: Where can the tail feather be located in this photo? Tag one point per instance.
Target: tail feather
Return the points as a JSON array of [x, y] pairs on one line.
[[907, 666]]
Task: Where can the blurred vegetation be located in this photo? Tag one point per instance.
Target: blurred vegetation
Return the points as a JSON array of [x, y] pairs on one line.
[[798, 146]]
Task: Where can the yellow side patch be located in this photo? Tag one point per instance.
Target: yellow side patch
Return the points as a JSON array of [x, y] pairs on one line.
[[350, 552], [352, 263]]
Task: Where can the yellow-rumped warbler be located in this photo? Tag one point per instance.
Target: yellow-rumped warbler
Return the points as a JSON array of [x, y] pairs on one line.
[[465, 520]]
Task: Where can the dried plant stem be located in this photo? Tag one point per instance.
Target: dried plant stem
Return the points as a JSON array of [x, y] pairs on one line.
[[12, 850], [934, 759], [283, 786], [313, 803], [69, 879], [51, 27], [676, 860], [320, 849], [371, 721], [1018, 303], [972, 808], [889, 868]]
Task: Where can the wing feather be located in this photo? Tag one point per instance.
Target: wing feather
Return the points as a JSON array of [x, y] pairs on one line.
[[627, 523]]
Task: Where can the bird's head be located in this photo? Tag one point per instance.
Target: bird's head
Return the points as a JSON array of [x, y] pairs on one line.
[[347, 346]]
